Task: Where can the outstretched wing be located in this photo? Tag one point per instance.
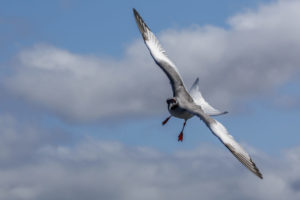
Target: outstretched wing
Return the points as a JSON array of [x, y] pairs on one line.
[[199, 100], [159, 56], [221, 132]]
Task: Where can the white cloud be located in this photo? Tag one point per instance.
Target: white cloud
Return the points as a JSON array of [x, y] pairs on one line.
[[258, 52], [79, 87], [36, 165], [94, 169], [19, 141]]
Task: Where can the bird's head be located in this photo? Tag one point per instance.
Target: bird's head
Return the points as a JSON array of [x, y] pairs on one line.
[[172, 102]]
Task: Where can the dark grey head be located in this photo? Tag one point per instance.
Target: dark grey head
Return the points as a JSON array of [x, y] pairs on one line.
[[172, 103]]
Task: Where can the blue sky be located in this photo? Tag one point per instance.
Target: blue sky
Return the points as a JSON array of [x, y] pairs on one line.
[[74, 95], [88, 29]]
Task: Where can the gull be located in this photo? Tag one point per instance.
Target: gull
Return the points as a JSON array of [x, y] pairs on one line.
[[186, 104]]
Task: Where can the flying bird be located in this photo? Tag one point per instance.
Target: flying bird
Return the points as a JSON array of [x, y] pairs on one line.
[[186, 104]]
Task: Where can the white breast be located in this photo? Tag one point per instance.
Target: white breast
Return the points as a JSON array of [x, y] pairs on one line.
[[180, 113]]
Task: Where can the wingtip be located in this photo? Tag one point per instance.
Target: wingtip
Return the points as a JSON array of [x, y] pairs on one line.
[[134, 10], [141, 24], [247, 163], [256, 170], [258, 174], [135, 13], [196, 81], [195, 84]]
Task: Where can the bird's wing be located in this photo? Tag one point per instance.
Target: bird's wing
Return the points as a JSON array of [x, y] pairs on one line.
[[221, 132], [199, 100], [159, 56]]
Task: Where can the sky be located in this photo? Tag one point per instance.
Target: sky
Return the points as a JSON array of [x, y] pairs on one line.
[[81, 100]]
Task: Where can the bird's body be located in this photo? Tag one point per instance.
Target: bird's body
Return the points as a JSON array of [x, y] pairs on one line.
[[177, 111], [186, 104]]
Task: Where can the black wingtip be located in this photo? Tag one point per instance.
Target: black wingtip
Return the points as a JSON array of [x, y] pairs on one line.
[[134, 10], [141, 24], [136, 13], [257, 172]]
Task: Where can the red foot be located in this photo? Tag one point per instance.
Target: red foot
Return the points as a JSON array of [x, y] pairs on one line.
[[166, 120], [180, 137]]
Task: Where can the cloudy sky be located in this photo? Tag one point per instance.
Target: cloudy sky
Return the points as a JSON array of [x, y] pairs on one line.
[[82, 100]]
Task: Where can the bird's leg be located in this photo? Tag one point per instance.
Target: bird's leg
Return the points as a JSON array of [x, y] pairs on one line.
[[166, 120], [180, 136]]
